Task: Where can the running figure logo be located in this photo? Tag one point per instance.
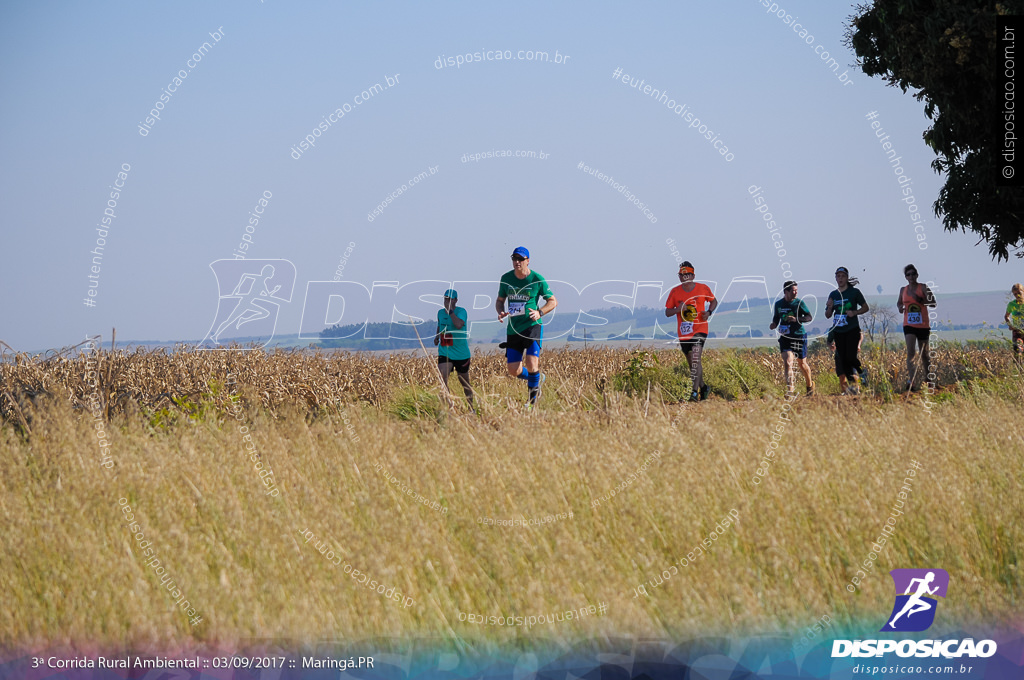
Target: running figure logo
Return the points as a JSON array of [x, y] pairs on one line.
[[257, 288], [914, 609]]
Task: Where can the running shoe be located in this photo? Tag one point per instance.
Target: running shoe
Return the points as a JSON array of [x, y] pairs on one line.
[[864, 378], [854, 390], [694, 396], [810, 390], [704, 391]]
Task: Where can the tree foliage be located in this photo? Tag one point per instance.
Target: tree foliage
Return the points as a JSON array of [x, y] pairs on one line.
[[948, 51]]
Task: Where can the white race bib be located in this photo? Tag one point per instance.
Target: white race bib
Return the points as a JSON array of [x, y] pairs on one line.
[[913, 317], [784, 330], [686, 328], [839, 320], [516, 308]]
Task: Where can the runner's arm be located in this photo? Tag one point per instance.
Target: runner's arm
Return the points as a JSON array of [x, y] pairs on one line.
[[499, 306], [861, 309], [457, 321], [929, 297], [829, 309], [899, 300], [704, 316], [549, 306]]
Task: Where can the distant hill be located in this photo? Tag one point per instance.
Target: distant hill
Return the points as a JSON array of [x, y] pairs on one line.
[[748, 319]]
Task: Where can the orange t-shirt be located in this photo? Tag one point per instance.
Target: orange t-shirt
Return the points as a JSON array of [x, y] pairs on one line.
[[915, 315], [693, 302]]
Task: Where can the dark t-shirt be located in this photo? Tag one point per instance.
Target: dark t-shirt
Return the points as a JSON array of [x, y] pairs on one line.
[[843, 302], [796, 308]]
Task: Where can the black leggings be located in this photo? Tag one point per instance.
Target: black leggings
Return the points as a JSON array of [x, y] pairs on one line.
[[847, 362]]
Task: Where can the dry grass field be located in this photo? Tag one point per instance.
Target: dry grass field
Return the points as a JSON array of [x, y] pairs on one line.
[[369, 466]]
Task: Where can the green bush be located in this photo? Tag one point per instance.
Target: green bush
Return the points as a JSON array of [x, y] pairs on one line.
[[737, 375], [643, 370], [415, 402]]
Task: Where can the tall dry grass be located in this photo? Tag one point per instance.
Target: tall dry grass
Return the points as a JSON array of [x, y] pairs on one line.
[[69, 573]]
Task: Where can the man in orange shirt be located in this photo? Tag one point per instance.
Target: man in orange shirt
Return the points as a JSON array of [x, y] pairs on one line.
[[687, 302]]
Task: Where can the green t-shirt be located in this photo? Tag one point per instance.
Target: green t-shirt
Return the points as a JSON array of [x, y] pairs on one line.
[[1016, 311], [459, 349], [795, 308], [843, 302], [522, 295]]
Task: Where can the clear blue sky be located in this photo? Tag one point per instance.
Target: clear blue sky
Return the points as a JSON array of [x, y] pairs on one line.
[[79, 78]]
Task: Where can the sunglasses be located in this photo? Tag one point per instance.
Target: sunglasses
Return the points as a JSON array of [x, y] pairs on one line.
[[910, 273], [516, 258]]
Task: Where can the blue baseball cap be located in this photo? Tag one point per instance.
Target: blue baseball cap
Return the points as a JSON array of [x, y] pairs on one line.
[[521, 252], [451, 293]]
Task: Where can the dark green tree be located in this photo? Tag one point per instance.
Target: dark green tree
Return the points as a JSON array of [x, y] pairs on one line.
[[949, 53]]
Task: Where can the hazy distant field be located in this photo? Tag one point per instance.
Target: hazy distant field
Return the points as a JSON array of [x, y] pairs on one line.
[[335, 432]]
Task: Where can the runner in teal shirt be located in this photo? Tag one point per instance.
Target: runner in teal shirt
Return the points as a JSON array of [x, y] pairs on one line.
[[452, 340]]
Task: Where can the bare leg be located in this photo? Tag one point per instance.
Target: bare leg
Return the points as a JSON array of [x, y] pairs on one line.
[[787, 371], [446, 370], [532, 363], [464, 379], [926, 358], [911, 353], [805, 368]]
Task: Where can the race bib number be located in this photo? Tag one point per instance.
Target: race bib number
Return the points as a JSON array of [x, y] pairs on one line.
[[686, 328], [784, 329], [516, 308], [913, 317], [839, 320], [447, 340]]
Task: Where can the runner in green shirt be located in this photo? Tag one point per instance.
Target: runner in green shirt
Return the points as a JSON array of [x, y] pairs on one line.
[[1014, 318], [844, 305], [789, 315], [452, 340], [523, 289]]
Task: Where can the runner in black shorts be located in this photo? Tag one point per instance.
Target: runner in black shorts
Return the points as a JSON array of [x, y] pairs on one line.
[[913, 303], [789, 316], [452, 340]]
